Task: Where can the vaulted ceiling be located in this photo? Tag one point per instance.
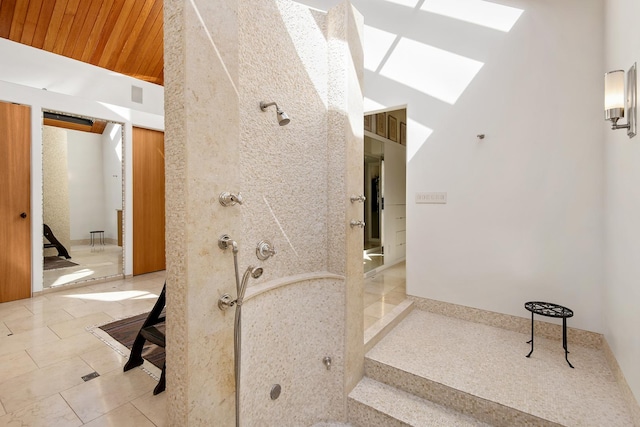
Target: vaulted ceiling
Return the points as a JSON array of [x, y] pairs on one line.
[[125, 36]]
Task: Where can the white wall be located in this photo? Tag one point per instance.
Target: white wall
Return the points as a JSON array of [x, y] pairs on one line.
[[86, 183], [621, 294], [524, 214], [112, 170], [78, 83]]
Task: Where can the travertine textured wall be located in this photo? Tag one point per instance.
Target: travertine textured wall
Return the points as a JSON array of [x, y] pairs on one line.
[[55, 192], [286, 333], [222, 59]]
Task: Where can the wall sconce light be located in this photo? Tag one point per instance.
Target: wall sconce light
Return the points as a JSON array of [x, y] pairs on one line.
[[615, 102]]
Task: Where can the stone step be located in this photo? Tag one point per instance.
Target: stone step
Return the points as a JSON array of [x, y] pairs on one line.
[[372, 403], [458, 401]]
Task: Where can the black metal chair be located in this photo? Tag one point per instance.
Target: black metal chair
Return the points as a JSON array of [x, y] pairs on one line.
[[53, 242], [152, 330]]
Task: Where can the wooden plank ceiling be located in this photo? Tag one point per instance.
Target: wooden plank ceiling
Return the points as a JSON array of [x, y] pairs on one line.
[[125, 36]]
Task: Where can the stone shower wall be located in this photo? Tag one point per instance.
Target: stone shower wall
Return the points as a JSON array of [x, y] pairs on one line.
[[221, 59], [55, 189]]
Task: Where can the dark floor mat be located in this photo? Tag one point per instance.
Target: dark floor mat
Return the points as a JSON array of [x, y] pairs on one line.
[[125, 331]]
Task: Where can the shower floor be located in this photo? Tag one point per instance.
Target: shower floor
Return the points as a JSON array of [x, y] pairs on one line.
[[489, 363]]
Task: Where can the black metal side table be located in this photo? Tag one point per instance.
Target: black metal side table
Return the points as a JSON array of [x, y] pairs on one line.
[[550, 310]]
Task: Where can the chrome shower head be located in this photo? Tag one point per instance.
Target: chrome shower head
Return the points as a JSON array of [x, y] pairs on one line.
[[283, 119]]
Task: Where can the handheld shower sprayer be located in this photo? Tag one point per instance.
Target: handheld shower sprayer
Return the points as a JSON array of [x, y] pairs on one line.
[[226, 301], [283, 119]]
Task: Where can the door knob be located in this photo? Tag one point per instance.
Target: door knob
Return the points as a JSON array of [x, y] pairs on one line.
[[23, 215]]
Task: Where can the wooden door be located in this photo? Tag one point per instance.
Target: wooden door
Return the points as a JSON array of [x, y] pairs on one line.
[[148, 201], [15, 206]]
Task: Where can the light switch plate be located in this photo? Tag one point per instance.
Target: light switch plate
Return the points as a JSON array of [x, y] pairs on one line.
[[431, 197]]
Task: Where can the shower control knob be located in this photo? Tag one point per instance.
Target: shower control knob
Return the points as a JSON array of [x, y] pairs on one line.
[[229, 199], [355, 223], [358, 198], [225, 302], [265, 250]]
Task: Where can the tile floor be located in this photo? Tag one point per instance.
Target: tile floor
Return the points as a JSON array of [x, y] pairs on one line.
[[46, 347], [93, 262], [383, 292]]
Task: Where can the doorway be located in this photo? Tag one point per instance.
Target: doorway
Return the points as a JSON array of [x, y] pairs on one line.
[[82, 199], [15, 203], [385, 169], [384, 212], [148, 201]]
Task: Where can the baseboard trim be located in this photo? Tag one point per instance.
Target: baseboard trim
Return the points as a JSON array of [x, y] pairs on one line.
[[509, 322]]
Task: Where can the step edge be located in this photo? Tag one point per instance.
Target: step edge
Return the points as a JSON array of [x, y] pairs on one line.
[[479, 408]]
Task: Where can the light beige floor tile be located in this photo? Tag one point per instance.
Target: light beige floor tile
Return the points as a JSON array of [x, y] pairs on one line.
[[15, 364], [154, 407], [52, 411], [386, 279], [378, 309], [394, 297], [75, 345], [111, 285], [28, 388], [51, 302], [135, 305], [24, 340], [2, 411], [15, 311], [380, 288], [4, 331], [105, 393], [369, 320], [38, 320], [122, 312], [79, 325], [93, 263], [104, 359], [124, 416], [370, 298], [90, 307], [153, 286]]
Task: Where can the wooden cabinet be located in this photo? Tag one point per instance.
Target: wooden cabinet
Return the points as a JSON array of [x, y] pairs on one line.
[[119, 222]]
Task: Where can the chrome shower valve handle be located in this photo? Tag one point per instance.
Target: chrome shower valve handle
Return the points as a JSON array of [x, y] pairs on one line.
[[229, 199], [356, 223], [358, 198], [265, 250]]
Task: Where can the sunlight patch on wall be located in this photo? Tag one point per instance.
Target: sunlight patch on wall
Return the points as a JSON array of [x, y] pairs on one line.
[[371, 106], [376, 45], [408, 3], [479, 12], [435, 72], [213, 44], [122, 112], [306, 47], [418, 135]]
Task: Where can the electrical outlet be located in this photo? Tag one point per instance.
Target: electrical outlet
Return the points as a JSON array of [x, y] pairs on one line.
[[431, 197]]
